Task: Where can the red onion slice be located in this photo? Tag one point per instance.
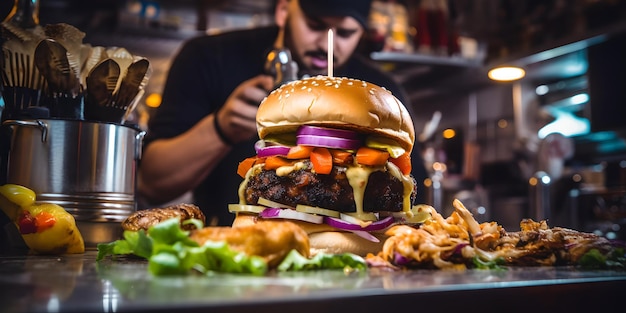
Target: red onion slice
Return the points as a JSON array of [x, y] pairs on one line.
[[328, 142], [291, 214], [328, 132], [263, 150], [341, 224]]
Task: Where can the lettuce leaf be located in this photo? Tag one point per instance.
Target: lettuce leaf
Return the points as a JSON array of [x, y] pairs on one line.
[[594, 259], [170, 251], [294, 261]]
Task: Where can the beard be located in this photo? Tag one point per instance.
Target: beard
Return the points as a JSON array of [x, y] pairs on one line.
[[304, 70]]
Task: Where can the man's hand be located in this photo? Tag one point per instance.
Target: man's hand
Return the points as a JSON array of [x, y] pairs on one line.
[[237, 118]]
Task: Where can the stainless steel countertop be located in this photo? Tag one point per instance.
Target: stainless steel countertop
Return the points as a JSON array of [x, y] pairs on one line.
[[76, 283]]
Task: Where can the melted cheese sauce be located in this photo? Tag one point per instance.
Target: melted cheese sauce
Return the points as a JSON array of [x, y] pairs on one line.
[[407, 182], [357, 176], [285, 170], [242, 187]]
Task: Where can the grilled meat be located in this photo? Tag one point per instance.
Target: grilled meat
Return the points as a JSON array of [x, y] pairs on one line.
[[383, 192], [272, 240], [453, 242], [143, 219], [541, 245]]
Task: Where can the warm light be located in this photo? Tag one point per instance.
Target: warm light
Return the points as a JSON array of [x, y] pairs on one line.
[[153, 100], [439, 167], [449, 133], [502, 123], [506, 73]]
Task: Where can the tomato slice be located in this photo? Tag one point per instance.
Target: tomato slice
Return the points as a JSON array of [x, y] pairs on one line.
[[341, 157], [274, 162], [245, 165], [371, 157], [322, 160], [299, 152], [403, 162]]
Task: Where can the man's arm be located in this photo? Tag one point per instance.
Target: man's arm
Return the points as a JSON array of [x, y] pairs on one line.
[[170, 167]]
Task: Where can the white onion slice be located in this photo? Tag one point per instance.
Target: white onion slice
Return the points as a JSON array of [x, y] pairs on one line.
[[329, 132], [291, 214], [328, 142], [341, 224], [365, 235], [246, 208], [361, 218], [273, 204], [316, 210]]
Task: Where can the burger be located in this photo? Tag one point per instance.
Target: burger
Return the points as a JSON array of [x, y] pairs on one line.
[[333, 157]]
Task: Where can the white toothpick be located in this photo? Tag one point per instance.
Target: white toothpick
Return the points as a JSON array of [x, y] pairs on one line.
[[330, 52]]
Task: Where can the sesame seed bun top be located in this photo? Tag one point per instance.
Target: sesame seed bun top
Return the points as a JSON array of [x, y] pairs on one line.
[[337, 102]]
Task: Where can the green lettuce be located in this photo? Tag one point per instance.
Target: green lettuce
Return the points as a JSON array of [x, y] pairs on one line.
[[170, 251], [294, 261]]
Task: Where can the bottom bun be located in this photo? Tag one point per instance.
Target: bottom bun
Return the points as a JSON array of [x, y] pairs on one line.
[[344, 242], [327, 239]]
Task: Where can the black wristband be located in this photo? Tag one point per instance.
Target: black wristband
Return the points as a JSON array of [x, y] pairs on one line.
[[219, 131]]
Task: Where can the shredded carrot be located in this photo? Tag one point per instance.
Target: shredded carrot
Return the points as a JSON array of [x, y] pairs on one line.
[[371, 157], [245, 165], [299, 152], [322, 160], [403, 162], [44, 220], [274, 162]]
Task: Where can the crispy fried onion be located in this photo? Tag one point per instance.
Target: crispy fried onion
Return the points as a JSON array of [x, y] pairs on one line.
[[441, 243], [460, 241]]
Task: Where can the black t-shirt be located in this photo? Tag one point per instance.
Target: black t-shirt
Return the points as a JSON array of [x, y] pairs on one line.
[[202, 76]]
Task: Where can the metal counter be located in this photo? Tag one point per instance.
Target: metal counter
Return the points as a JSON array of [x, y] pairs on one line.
[[77, 283]]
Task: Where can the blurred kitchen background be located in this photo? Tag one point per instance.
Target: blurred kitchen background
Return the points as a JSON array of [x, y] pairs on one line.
[[551, 145]]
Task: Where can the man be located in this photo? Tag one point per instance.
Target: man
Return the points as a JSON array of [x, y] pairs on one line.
[[207, 120]]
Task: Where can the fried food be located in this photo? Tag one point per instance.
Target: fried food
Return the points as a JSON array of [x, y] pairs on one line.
[[454, 242], [271, 240], [143, 219]]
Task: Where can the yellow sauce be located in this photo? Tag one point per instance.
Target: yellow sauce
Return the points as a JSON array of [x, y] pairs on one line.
[[285, 170], [407, 182], [357, 176], [242, 187]]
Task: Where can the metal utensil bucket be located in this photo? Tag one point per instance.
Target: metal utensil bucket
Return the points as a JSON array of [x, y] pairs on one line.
[[89, 168]]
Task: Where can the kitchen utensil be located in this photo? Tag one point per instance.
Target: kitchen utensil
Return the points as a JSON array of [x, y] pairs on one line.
[[131, 83], [91, 57], [101, 84], [89, 168], [71, 38], [21, 80], [51, 58], [63, 96]]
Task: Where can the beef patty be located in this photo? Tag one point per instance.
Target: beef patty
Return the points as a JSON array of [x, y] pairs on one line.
[[383, 192]]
